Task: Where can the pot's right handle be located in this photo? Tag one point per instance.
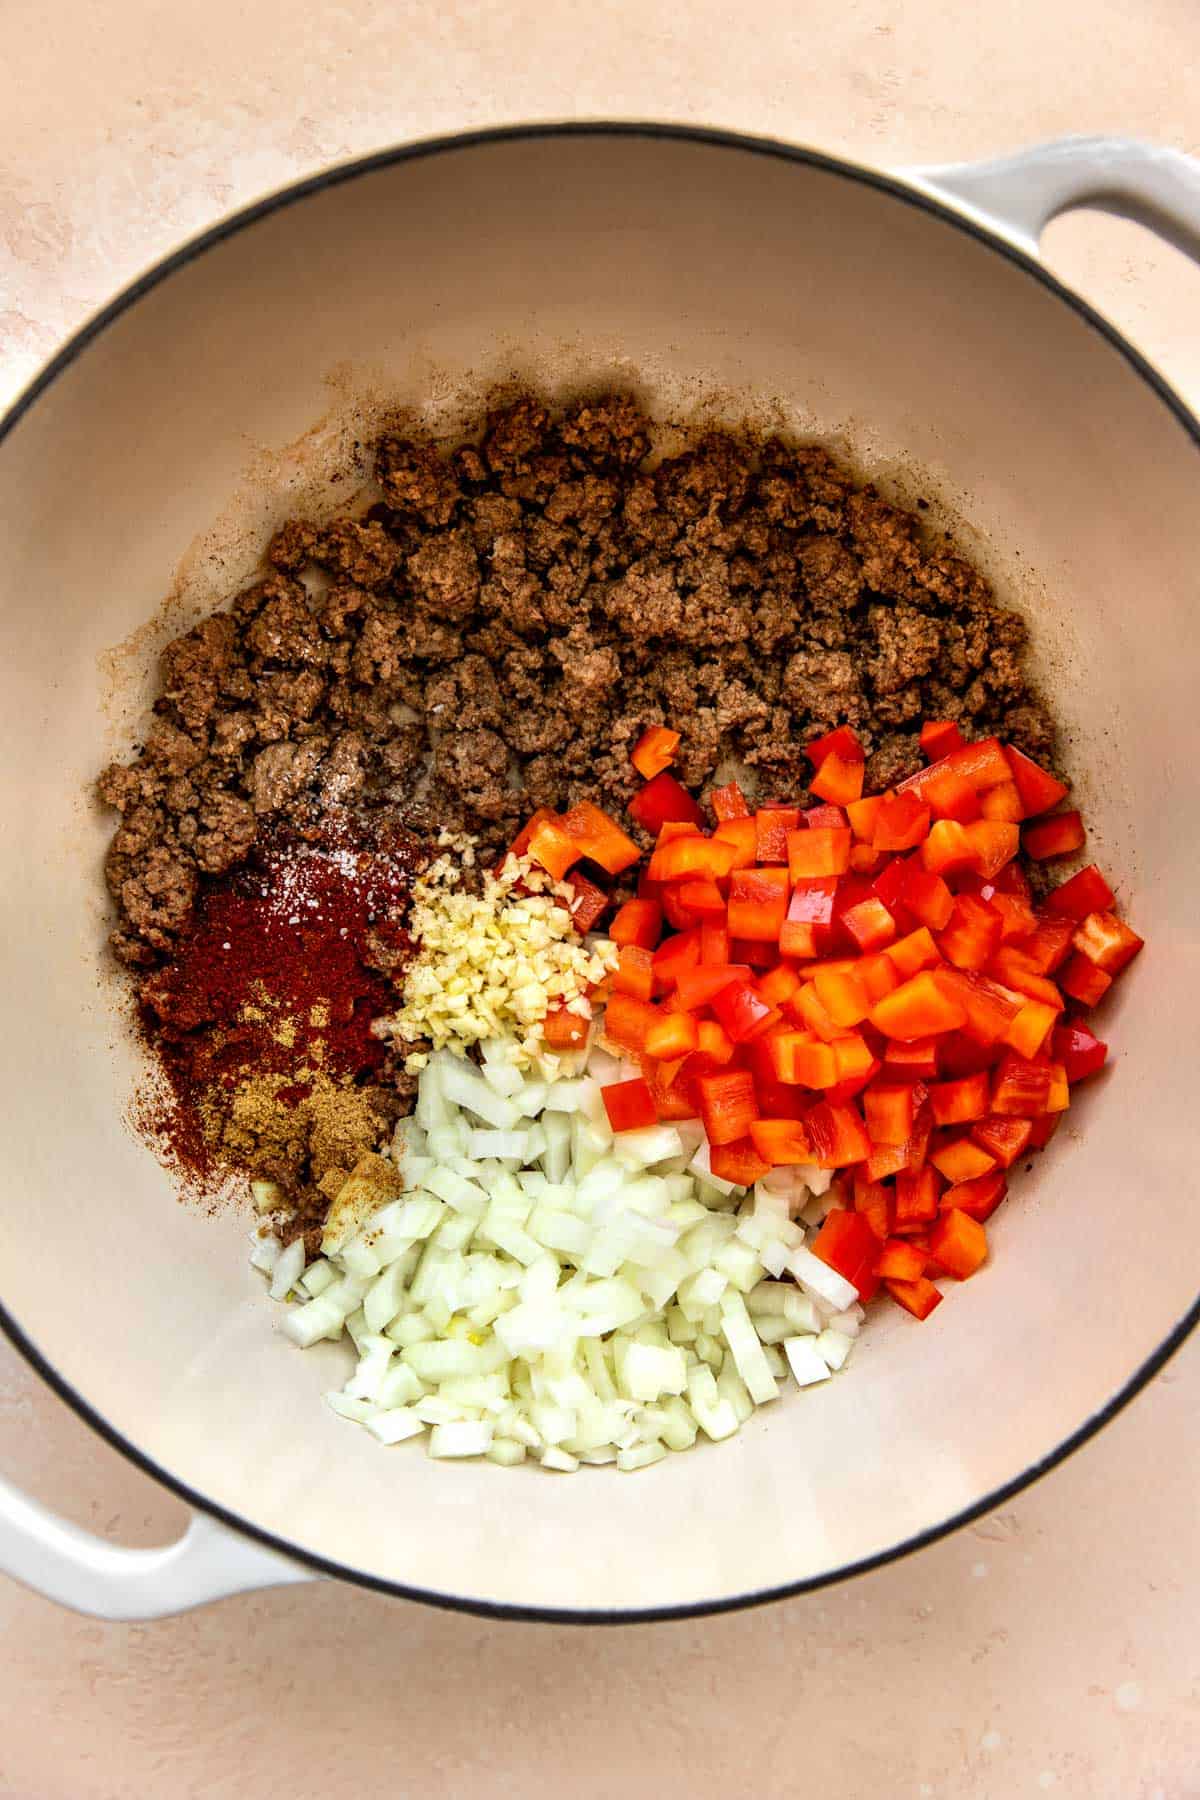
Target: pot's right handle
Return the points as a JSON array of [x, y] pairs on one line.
[[1018, 195]]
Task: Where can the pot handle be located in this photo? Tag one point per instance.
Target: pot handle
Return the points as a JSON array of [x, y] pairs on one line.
[[82, 1571], [1018, 195]]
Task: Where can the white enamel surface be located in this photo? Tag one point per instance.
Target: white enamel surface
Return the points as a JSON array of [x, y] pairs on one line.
[[700, 270]]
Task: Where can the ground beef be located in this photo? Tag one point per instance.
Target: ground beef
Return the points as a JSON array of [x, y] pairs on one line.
[[500, 626]]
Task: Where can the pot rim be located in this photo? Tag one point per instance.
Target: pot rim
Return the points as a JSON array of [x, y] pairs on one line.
[[896, 188]]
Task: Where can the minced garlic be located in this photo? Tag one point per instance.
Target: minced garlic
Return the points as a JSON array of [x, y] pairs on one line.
[[492, 964]]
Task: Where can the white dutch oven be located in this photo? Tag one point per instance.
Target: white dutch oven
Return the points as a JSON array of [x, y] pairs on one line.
[[909, 316]]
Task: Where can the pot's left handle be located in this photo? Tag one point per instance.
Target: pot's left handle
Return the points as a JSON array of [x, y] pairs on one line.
[[81, 1571]]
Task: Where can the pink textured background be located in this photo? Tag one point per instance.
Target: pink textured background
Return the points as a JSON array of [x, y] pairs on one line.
[[1049, 1649]]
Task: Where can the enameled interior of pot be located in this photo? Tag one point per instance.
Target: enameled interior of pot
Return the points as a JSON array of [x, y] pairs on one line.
[[697, 273]]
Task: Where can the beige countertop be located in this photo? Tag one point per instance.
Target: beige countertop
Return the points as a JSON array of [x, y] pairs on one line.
[[1051, 1648]]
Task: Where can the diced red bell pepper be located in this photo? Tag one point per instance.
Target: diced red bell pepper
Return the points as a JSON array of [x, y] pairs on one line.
[[1003, 1139], [1017, 917], [703, 899], [1047, 947], [824, 818], [738, 1162], [1044, 1129], [959, 1102], [842, 995], [552, 848], [1020, 1088], [886, 1160], [629, 1105], [627, 1020], [1059, 1097], [678, 915], [990, 1007], [809, 918], [847, 1243], [1061, 835], [950, 796], [901, 823], [691, 858], [873, 1202], [729, 802], [915, 952], [814, 854], [714, 940], [1038, 790], [982, 763], [960, 1054], [563, 1030], [1002, 804], [915, 1061], [673, 1035], [771, 826], [672, 1099], [947, 848], [926, 896], [994, 843], [587, 904], [1084, 981], [654, 751], [1079, 1051], [879, 976], [662, 799], [939, 737], [1084, 893], [916, 1297], [958, 1243], [916, 1199], [837, 1135], [900, 1260], [758, 903], [1031, 1027], [803, 1060], [870, 924], [600, 838], [520, 844], [918, 1008], [854, 1058], [978, 1198], [741, 837], [864, 860], [673, 956], [741, 1009], [807, 1007], [862, 815], [839, 779], [961, 1159], [714, 1045], [780, 1141], [841, 742], [890, 1112], [1107, 941], [1012, 879], [779, 984], [727, 1105], [973, 934], [634, 973], [888, 885]]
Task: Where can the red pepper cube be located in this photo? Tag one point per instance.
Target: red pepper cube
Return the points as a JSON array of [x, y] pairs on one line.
[[958, 1243], [1061, 835], [950, 796], [808, 921], [1078, 1050], [1107, 941], [691, 858], [839, 779], [841, 742], [727, 1105], [842, 995], [1059, 1097], [973, 934], [1038, 790], [729, 802], [673, 1035], [1002, 804], [1084, 893], [661, 800], [901, 823], [994, 843], [978, 1198], [939, 737], [587, 904], [915, 952], [780, 1141], [654, 751], [1020, 1088], [627, 1020], [982, 763], [758, 903], [959, 1102], [1047, 947], [741, 1009], [784, 1049], [879, 976], [563, 1030], [600, 838], [1031, 1027], [738, 1162], [1017, 917], [678, 915], [916, 1199], [947, 848], [890, 1113], [918, 1008], [862, 815], [629, 1105], [714, 940], [814, 854], [702, 898], [771, 826], [874, 1203], [824, 818], [926, 896], [960, 1159], [837, 1135], [870, 924], [917, 1297], [1004, 1139], [741, 838], [779, 984], [989, 1006], [1083, 981], [520, 844], [634, 973], [911, 1062], [552, 848], [1043, 1130], [846, 1243], [900, 1261], [807, 1007]]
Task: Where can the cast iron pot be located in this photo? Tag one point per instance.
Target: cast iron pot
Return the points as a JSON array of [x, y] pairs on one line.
[[906, 315]]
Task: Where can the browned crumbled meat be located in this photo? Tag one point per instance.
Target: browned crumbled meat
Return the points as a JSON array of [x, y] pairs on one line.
[[498, 630]]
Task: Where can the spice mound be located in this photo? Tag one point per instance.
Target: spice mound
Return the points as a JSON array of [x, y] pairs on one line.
[[263, 1019]]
